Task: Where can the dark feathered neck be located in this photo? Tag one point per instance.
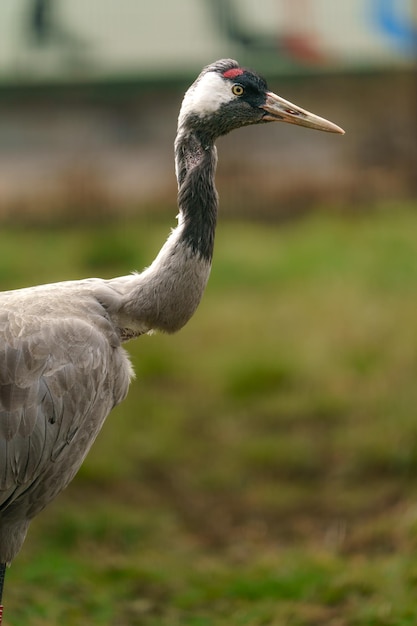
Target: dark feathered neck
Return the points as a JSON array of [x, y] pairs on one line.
[[196, 161]]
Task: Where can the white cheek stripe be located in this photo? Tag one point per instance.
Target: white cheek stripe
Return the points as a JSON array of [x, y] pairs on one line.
[[206, 96]]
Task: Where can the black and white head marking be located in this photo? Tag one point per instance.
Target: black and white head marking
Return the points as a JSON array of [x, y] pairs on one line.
[[224, 96]]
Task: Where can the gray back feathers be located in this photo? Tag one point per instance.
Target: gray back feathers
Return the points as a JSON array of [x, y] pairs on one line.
[[62, 370]]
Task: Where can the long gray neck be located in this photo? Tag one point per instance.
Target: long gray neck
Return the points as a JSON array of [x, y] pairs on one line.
[[167, 293]]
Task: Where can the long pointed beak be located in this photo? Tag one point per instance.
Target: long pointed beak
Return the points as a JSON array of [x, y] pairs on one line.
[[279, 110]]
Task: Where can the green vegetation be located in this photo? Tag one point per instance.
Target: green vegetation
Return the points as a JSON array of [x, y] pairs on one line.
[[263, 470]]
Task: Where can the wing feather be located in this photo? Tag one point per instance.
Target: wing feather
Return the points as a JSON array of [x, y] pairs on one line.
[[59, 379]]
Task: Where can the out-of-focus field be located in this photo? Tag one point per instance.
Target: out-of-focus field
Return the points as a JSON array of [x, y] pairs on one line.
[[263, 470]]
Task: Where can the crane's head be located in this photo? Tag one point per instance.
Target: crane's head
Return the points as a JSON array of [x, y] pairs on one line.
[[226, 96]]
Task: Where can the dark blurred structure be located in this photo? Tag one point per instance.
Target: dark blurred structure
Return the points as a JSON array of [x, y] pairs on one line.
[[89, 95]]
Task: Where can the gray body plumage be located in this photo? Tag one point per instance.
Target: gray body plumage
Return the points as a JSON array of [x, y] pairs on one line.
[[63, 369], [62, 364], [61, 374]]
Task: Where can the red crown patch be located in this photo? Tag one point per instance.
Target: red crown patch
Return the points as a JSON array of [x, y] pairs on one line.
[[236, 71]]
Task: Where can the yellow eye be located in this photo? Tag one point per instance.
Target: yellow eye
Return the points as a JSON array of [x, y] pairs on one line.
[[237, 90]]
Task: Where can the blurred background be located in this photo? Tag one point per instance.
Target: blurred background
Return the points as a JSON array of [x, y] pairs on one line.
[[89, 94], [263, 469]]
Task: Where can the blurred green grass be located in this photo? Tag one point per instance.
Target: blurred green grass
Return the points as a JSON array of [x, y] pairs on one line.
[[263, 469]]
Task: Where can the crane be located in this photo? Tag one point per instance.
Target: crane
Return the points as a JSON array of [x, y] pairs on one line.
[[62, 364]]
